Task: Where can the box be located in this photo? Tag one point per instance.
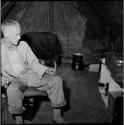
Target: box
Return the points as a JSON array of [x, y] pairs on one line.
[[94, 68], [115, 106]]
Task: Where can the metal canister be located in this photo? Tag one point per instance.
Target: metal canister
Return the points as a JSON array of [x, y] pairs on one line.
[[77, 61]]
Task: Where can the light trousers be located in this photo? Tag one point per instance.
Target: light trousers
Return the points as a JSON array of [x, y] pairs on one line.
[[52, 84]]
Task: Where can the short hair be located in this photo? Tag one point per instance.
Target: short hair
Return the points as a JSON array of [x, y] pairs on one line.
[[8, 22]]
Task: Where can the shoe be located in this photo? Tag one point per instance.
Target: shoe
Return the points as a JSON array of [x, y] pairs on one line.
[[19, 120], [55, 122]]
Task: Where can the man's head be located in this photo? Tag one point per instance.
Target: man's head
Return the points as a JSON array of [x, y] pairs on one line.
[[11, 31]]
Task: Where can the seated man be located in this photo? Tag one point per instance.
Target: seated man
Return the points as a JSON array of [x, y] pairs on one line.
[[21, 69]]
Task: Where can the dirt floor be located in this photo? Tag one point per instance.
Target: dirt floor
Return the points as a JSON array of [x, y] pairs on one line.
[[84, 103]]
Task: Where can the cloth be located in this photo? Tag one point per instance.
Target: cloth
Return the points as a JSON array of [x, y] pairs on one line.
[[45, 45], [105, 77]]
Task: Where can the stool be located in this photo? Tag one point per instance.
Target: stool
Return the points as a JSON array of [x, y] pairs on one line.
[[31, 102]]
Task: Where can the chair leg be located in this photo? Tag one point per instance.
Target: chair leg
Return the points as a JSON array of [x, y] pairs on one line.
[[18, 119], [107, 89], [28, 104]]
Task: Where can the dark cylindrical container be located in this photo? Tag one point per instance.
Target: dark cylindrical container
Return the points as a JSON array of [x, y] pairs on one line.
[[77, 61]]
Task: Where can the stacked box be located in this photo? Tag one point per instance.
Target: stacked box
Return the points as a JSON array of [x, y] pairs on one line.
[[115, 106]]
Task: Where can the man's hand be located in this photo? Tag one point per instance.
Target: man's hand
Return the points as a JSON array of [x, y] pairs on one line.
[[55, 65], [41, 61], [51, 71], [5, 81]]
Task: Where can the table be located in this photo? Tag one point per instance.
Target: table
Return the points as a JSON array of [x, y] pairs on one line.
[[106, 79]]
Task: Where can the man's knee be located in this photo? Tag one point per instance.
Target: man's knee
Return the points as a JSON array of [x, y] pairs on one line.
[[12, 87], [57, 79]]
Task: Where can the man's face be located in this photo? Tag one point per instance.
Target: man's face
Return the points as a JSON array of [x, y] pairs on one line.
[[12, 33]]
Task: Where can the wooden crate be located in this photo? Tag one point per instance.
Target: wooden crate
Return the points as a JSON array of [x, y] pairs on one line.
[[115, 106]]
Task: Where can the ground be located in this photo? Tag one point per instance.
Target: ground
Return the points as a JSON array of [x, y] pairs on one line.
[[84, 102]]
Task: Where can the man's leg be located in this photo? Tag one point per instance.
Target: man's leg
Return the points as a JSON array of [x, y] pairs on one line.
[[58, 116], [55, 92], [15, 96]]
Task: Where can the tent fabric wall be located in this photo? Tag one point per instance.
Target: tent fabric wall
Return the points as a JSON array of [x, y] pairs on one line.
[[60, 18], [76, 23], [6, 7]]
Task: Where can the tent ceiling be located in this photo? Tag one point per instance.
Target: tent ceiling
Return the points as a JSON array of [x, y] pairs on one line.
[[99, 14], [109, 12], [102, 15]]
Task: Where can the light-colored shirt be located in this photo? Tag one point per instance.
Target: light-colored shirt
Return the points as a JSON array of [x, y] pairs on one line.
[[15, 62], [26, 58]]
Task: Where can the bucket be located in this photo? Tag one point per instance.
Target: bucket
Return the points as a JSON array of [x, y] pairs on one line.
[[77, 61]]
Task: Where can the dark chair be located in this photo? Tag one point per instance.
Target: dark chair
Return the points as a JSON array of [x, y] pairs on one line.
[[47, 47]]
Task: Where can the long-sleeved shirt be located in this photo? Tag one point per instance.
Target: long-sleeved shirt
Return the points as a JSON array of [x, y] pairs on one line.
[[26, 58]]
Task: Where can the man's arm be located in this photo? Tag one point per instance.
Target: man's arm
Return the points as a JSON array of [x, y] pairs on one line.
[[34, 62], [5, 78]]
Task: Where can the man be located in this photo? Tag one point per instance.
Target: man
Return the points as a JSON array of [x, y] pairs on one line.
[[21, 69]]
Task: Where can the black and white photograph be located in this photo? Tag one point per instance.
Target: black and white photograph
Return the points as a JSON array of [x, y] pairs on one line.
[[62, 62]]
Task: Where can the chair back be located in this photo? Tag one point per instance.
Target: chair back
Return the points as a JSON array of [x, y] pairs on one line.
[[45, 45]]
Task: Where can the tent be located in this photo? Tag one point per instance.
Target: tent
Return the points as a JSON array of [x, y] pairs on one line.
[[80, 25]]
